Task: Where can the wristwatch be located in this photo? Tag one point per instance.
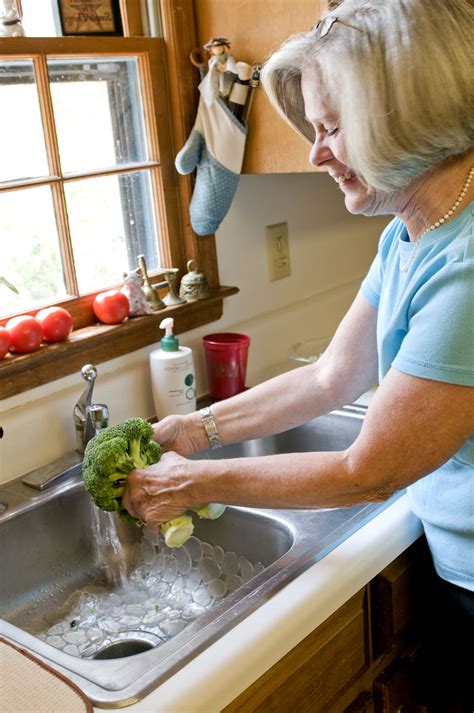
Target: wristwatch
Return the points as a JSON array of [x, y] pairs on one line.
[[209, 424]]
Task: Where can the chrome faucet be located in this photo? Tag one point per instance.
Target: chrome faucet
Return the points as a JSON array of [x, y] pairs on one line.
[[88, 417]]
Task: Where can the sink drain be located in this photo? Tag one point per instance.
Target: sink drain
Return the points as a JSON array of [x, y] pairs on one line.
[[128, 645], [120, 649]]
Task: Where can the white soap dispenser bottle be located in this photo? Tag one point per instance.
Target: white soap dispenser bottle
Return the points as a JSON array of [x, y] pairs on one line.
[[172, 375]]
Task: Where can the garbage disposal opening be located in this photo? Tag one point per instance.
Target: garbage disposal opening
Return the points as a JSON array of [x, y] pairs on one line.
[[121, 649]]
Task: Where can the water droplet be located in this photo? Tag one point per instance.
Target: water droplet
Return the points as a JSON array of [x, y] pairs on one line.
[[233, 582], [216, 588], [194, 549], [207, 549], [202, 596], [231, 563], [171, 628], [209, 569]]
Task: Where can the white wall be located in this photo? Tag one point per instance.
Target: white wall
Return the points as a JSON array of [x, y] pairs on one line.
[[330, 252]]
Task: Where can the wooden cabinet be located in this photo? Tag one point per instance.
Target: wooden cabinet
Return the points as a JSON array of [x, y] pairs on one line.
[[316, 671], [256, 28], [397, 594], [366, 658]]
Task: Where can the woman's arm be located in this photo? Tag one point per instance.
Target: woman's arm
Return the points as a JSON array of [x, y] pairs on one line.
[[412, 426], [347, 369]]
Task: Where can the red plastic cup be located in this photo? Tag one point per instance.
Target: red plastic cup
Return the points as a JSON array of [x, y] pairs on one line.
[[226, 363]]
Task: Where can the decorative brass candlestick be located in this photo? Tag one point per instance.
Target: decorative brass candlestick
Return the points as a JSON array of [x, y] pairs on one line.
[[151, 293], [171, 298]]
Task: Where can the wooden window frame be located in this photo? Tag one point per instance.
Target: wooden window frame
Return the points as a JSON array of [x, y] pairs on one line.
[[173, 106], [149, 55]]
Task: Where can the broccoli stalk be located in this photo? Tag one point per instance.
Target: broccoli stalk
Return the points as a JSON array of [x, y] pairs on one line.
[[108, 459], [211, 511], [177, 531]]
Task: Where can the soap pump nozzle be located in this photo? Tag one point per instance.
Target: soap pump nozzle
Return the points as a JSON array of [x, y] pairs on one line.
[[169, 343]]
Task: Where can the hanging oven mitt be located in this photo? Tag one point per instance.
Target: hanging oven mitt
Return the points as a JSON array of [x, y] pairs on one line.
[[215, 147]]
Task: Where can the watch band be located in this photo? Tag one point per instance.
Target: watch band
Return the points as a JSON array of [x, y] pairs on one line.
[[209, 424]]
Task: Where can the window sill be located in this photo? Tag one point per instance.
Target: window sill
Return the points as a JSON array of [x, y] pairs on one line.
[[101, 342]]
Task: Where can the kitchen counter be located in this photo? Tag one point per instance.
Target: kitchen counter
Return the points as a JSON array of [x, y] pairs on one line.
[[225, 669]]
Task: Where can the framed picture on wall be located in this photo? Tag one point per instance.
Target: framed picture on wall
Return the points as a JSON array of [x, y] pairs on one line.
[[90, 17]]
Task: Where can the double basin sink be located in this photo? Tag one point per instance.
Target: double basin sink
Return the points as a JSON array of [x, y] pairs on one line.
[[49, 551]]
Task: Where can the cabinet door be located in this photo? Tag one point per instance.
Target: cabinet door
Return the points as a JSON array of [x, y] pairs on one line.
[[313, 675], [255, 29], [397, 594]]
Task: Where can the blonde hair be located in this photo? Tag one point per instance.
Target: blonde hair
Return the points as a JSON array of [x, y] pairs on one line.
[[401, 83]]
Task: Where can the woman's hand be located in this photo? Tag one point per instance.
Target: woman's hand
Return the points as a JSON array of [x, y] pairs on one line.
[[181, 434], [160, 492]]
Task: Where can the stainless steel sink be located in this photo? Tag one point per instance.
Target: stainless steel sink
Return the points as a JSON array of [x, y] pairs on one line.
[[48, 551]]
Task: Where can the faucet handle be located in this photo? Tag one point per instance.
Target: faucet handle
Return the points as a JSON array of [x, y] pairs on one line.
[[89, 372]]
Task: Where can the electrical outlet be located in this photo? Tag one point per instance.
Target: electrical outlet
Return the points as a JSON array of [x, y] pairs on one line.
[[278, 251]]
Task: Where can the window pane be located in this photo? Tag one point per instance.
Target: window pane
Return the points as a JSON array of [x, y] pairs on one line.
[[99, 113], [111, 222], [30, 256], [23, 147]]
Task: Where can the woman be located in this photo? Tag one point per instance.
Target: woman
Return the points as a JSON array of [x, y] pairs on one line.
[[383, 90]]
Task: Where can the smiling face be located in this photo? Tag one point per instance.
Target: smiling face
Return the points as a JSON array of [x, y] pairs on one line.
[[328, 152]]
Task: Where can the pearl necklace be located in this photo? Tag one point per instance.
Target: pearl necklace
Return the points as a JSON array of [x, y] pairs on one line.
[[406, 266]]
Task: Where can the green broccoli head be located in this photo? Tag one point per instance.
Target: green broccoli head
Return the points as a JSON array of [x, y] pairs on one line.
[[108, 459], [111, 455], [139, 435]]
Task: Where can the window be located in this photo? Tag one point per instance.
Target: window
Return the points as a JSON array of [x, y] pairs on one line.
[[80, 176], [130, 175]]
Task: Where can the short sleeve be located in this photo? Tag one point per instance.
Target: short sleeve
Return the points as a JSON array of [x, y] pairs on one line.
[[439, 343], [371, 286]]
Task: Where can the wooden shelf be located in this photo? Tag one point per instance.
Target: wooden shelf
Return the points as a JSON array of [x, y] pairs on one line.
[[101, 342]]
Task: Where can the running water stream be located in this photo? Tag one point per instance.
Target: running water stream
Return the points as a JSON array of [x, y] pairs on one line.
[[110, 554]]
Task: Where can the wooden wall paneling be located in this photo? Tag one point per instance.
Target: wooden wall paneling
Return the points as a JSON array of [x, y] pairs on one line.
[[256, 28], [132, 21]]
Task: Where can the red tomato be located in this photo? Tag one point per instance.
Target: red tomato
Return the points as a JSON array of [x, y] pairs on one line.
[[111, 307], [26, 333], [4, 342], [56, 323]]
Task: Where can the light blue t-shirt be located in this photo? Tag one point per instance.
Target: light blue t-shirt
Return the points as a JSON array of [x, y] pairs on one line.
[[425, 328]]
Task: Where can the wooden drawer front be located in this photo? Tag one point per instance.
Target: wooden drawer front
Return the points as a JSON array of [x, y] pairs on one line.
[[396, 593], [309, 678]]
